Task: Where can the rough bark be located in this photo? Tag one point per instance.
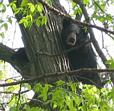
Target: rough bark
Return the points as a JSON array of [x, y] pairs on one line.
[[43, 46]]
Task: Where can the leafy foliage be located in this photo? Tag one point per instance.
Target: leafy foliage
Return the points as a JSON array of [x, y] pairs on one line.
[[4, 21], [32, 13], [70, 97], [62, 96], [110, 63], [98, 11]]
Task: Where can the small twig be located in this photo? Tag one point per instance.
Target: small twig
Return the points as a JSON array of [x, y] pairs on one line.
[[22, 92]]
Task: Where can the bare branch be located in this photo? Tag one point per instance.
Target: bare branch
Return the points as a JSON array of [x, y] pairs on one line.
[[6, 53], [22, 92], [58, 74]]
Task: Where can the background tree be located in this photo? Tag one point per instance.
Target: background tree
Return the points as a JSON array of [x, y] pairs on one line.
[[41, 26]]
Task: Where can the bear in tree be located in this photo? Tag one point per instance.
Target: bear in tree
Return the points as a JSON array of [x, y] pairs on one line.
[[81, 55]]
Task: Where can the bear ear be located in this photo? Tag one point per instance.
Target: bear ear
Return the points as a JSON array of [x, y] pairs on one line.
[[66, 22]]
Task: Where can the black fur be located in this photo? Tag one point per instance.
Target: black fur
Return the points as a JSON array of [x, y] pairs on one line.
[[83, 56]]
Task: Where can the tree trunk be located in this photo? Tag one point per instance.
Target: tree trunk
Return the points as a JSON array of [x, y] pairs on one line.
[[43, 47]]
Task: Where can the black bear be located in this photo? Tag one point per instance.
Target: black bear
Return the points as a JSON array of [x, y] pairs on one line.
[[81, 55]]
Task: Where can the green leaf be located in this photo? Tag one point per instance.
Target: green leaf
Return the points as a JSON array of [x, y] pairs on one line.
[[26, 21], [58, 97], [72, 86], [44, 92], [2, 34], [69, 102], [1, 74], [1, 21], [39, 7], [27, 107], [112, 93], [110, 63], [24, 3], [13, 5], [50, 2], [31, 7], [10, 20], [86, 2], [60, 83], [13, 109], [44, 20], [17, 10], [78, 11], [2, 8], [38, 87], [39, 21], [5, 25]]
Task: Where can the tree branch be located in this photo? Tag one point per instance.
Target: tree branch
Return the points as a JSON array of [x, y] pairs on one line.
[[6, 53], [94, 41], [6, 92], [57, 74], [58, 12]]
